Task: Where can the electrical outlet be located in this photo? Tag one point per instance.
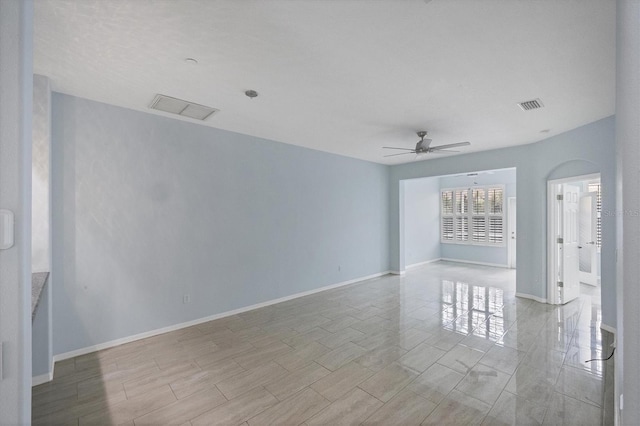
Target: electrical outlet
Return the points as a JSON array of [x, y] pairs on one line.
[[621, 402], [186, 298], [339, 268], [1, 361]]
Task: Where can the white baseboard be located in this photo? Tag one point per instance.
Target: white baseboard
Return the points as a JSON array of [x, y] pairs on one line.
[[532, 297], [133, 338], [42, 378], [415, 265], [397, 272], [472, 262], [610, 329]]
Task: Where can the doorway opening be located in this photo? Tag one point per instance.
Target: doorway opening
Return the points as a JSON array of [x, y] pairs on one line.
[[464, 218], [574, 235]]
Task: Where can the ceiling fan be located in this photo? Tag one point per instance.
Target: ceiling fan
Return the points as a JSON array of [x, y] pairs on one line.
[[423, 146]]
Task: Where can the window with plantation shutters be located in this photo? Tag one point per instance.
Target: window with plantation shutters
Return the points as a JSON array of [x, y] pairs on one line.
[[595, 187], [473, 215], [446, 221]]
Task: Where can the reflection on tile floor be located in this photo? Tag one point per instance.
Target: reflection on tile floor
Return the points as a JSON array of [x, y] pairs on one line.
[[444, 344]]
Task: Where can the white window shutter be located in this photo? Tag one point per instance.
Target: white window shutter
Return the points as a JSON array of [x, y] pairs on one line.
[[462, 229], [479, 225], [446, 201], [447, 229], [495, 230], [478, 201]]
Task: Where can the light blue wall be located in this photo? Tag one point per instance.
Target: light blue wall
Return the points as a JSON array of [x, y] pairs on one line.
[[471, 253], [421, 220], [42, 345], [588, 147], [149, 208], [41, 336]]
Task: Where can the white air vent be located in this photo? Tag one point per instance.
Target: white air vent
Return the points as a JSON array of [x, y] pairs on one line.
[[529, 105], [183, 108]]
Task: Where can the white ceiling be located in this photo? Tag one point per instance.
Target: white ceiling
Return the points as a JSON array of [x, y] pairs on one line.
[[343, 76]]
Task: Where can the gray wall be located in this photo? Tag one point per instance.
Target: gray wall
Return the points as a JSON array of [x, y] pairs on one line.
[[421, 220], [586, 149], [40, 236], [627, 137], [149, 208], [16, 110], [483, 254]]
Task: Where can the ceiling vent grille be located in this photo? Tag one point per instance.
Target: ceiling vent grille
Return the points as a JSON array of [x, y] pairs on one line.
[[529, 105], [181, 107]]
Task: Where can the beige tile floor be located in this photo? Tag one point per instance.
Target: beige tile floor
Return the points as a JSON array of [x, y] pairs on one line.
[[444, 344]]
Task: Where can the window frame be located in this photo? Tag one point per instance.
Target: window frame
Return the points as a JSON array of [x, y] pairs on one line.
[[470, 213]]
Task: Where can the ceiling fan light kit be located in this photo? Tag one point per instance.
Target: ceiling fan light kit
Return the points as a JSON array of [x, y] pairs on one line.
[[424, 146]]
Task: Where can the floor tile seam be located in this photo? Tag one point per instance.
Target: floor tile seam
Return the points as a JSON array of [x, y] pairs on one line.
[[468, 396], [361, 347], [307, 386], [585, 401], [363, 390], [545, 406], [282, 401], [566, 396], [473, 397], [471, 347], [178, 400], [320, 343], [556, 388], [52, 391], [551, 390], [501, 371], [583, 372], [403, 389], [551, 383], [451, 368], [161, 378], [467, 375], [533, 363]]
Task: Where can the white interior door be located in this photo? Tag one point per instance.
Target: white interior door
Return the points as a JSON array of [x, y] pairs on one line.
[[587, 255], [511, 225], [569, 262]]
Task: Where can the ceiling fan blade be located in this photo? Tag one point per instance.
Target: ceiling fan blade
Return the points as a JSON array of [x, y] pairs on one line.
[[450, 145], [393, 147], [402, 153]]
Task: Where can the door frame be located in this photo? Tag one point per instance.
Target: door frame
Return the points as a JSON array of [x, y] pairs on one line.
[[590, 278], [511, 228], [552, 232]]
